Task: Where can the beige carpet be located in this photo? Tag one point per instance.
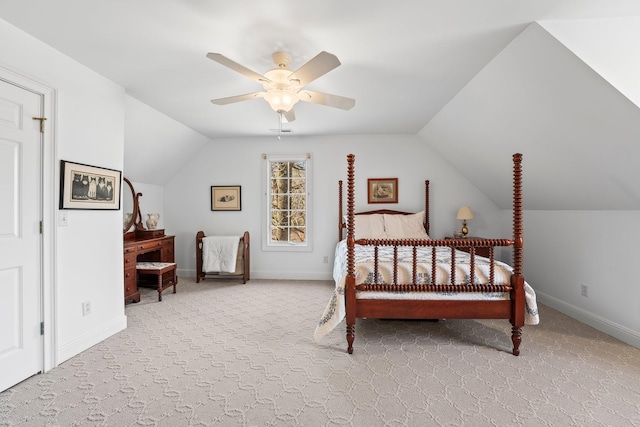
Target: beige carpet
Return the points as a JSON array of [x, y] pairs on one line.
[[223, 353]]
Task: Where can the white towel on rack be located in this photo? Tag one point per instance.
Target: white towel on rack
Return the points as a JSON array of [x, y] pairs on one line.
[[219, 253]]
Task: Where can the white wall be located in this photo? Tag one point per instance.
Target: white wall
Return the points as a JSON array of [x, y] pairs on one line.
[[88, 129], [566, 249], [238, 162]]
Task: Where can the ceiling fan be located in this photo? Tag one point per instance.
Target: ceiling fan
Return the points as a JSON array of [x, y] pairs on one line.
[[283, 87]]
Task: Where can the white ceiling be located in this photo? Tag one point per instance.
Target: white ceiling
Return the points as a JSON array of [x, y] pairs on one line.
[[554, 79], [401, 61]]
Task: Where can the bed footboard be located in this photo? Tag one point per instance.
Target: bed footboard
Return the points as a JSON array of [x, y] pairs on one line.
[[242, 264]]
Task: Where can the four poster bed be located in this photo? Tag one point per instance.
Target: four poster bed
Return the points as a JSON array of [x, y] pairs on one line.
[[389, 268]]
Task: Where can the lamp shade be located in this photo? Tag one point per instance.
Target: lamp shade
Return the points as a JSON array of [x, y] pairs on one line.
[[464, 213], [281, 93], [281, 100]]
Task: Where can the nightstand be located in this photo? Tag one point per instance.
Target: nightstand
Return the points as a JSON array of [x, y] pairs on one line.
[[479, 251]]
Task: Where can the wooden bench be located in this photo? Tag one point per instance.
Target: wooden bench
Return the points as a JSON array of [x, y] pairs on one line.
[[165, 273]]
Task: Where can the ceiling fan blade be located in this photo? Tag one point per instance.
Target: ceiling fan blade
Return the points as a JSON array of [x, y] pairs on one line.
[[326, 99], [237, 98], [317, 66], [289, 115], [221, 59]]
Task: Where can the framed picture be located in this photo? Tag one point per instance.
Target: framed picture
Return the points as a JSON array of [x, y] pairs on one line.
[[382, 190], [89, 187], [225, 198]]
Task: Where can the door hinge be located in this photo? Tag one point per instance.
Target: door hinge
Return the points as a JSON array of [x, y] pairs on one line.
[[41, 227], [41, 328], [42, 119]]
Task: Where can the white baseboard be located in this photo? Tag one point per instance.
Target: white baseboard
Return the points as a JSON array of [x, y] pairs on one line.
[[620, 332], [292, 276], [90, 339], [271, 276]]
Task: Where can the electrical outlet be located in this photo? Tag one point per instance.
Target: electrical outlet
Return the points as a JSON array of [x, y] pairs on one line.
[[584, 290], [86, 308], [325, 260]]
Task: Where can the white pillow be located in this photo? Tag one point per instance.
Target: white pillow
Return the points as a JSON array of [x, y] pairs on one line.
[[405, 226], [369, 226]]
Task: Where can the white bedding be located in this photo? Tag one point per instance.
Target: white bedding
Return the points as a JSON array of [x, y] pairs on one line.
[[219, 253], [335, 310]]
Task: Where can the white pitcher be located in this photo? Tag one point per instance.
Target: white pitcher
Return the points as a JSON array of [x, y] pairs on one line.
[[152, 220]]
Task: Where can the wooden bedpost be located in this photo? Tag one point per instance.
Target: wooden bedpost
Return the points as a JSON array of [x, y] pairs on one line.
[[517, 279], [339, 210], [350, 284], [246, 253], [426, 207], [199, 274]]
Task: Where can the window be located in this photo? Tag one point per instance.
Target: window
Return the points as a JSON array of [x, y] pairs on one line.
[[287, 184]]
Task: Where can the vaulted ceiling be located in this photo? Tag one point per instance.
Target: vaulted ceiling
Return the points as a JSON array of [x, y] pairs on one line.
[[556, 79], [579, 133]]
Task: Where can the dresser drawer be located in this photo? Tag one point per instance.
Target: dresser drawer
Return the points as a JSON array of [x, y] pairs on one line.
[[129, 260], [130, 285], [146, 246], [168, 251]]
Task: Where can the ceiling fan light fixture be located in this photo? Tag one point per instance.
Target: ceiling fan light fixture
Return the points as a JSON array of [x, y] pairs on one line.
[[282, 87], [281, 100]]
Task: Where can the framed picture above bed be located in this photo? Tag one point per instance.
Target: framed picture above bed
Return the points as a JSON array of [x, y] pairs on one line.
[[89, 187], [225, 198], [382, 190]]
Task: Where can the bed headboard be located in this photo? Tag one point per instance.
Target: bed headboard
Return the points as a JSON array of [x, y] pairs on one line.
[[342, 224]]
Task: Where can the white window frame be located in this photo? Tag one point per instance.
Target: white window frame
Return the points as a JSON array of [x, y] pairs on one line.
[[267, 243]]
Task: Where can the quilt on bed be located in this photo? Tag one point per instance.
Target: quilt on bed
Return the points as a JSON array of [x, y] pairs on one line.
[[364, 270]]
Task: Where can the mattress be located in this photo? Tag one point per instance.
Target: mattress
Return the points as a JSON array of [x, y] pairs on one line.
[[365, 273]]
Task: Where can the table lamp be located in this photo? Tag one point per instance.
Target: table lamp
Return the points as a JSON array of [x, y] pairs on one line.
[[464, 213]]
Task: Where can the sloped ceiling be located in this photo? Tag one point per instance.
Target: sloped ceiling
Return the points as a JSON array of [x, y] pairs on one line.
[[476, 80], [579, 134], [156, 146], [609, 46], [400, 62]]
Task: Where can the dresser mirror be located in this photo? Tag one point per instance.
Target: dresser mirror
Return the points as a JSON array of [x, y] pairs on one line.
[[132, 219]]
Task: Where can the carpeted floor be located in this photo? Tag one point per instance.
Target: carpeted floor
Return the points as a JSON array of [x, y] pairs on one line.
[[223, 353]]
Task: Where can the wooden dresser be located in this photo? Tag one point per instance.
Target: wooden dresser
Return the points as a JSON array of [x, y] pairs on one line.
[[144, 245]]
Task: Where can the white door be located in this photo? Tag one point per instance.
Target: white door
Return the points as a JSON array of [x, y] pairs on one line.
[[21, 353]]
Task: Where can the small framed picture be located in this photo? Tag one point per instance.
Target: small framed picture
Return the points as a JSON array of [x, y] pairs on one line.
[[89, 187], [382, 190], [225, 198]]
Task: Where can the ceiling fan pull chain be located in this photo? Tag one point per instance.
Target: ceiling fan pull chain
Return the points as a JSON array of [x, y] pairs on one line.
[[279, 123]]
